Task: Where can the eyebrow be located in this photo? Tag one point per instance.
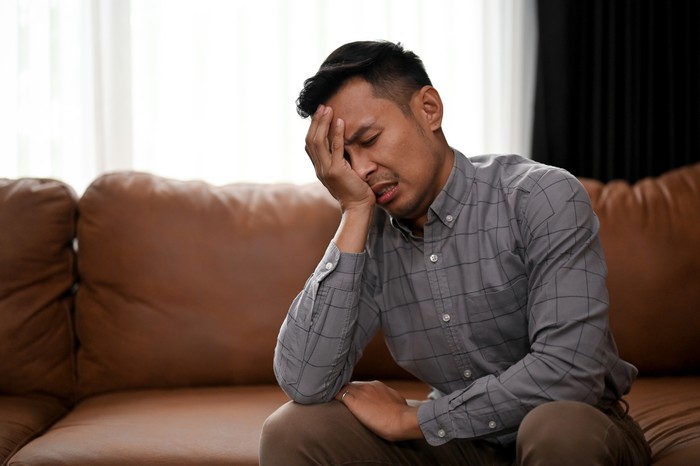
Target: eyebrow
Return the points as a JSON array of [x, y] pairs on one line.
[[359, 133]]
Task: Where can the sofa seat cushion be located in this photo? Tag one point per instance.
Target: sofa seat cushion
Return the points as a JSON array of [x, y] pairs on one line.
[[22, 418], [668, 410], [198, 426]]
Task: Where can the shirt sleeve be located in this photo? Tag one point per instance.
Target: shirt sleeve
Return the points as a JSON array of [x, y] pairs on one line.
[[324, 332], [571, 348]]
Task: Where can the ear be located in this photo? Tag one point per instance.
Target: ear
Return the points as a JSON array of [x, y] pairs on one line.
[[429, 107]]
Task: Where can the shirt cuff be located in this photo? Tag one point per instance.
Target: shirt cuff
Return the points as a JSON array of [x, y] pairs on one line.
[[340, 270], [435, 422], [445, 419]]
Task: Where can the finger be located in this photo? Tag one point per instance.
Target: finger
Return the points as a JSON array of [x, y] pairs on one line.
[[318, 130], [348, 390], [337, 142], [317, 142], [310, 146], [343, 393], [313, 130]]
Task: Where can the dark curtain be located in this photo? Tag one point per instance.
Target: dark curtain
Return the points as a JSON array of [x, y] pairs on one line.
[[617, 94]]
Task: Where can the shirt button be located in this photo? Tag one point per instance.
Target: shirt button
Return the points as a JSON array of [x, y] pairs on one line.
[[433, 258], [446, 317], [467, 374], [441, 433], [492, 424], [329, 265], [449, 218]]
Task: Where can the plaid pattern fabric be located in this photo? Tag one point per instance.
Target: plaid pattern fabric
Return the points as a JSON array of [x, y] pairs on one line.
[[501, 306]]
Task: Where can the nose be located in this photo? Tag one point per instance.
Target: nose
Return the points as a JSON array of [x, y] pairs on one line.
[[361, 164]]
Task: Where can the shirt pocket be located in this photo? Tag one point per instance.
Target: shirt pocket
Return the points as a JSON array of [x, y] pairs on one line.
[[498, 323]]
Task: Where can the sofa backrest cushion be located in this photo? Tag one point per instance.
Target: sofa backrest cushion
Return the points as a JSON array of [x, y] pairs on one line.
[[37, 278], [187, 284], [651, 238]]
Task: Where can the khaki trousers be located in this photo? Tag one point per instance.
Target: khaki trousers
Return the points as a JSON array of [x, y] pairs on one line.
[[557, 433]]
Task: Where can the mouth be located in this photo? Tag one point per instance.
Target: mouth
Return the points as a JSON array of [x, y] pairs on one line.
[[385, 192]]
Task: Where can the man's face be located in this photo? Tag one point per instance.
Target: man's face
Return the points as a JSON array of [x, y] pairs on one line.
[[399, 155]]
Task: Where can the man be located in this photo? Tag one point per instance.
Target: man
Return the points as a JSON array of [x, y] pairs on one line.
[[485, 275]]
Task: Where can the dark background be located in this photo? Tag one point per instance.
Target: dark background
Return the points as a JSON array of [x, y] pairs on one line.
[[617, 86]]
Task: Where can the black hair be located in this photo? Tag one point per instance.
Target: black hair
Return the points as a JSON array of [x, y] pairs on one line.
[[393, 72]]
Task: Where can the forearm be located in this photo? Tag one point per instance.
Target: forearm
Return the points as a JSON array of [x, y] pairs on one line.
[[495, 405], [321, 338], [351, 235], [309, 367]]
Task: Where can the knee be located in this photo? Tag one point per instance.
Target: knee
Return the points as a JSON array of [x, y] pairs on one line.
[[296, 433], [282, 433], [563, 432]]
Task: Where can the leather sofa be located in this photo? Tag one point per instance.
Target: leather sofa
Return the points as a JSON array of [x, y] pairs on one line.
[[138, 321]]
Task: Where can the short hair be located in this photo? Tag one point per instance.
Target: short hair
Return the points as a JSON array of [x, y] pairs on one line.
[[393, 72]]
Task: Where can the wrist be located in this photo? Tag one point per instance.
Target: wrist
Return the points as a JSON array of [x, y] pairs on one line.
[[358, 208], [354, 228], [409, 424], [406, 426]]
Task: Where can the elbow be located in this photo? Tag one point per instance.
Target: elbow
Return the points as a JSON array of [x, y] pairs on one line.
[[302, 395], [297, 396], [306, 399]]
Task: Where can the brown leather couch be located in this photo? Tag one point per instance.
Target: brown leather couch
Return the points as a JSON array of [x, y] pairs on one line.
[[137, 323]]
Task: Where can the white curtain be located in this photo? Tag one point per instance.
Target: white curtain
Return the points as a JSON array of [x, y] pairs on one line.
[[205, 89]]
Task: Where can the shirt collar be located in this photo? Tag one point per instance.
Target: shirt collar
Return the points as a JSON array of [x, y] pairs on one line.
[[448, 205]]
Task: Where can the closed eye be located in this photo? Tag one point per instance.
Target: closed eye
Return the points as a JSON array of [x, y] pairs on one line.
[[370, 141]]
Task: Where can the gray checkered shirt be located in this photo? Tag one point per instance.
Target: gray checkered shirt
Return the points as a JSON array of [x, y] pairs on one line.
[[501, 306]]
